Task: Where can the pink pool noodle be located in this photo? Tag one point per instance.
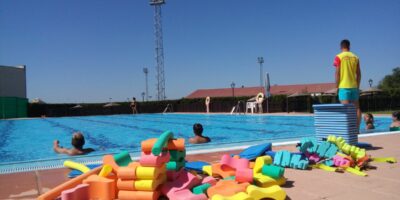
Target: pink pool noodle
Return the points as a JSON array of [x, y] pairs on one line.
[[186, 195], [313, 157], [244, 175], [81, 191], [236, 163], [339, 161], [184, 181], [210, 180], [172, 175], [150, 160]]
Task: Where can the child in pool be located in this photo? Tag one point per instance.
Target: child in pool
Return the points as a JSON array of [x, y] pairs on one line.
[[395, 126], [198, 135], [77, 142], [369, 121]]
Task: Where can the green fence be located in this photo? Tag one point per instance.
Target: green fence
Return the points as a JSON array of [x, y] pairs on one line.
[[13, 107]]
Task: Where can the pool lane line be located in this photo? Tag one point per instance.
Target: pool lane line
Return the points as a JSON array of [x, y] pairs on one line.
[[93, 140], [237, 121], [271, 133], [120, 125], [264, 131]]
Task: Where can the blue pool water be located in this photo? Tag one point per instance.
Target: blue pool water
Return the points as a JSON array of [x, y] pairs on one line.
[[32, 139]]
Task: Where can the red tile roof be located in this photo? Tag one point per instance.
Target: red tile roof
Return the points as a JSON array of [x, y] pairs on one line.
[[253, 91]]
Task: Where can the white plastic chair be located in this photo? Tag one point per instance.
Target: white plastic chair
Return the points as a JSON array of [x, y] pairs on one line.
[[251, 106]]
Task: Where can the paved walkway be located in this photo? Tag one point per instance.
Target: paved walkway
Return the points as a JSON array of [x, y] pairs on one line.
[[382, 183]]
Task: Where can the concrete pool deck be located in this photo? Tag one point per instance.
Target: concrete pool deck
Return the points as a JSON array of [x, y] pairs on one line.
[[382, 182]]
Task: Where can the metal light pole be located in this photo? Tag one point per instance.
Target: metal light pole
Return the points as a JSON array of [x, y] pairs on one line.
[[146, 72], [260, 61], [233, 89], [370, 82], [143, 93]]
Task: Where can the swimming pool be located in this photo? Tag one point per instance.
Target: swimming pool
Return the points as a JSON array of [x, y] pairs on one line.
[[32, 139]]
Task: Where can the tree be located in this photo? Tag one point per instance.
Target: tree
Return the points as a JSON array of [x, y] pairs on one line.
[[391, 83]]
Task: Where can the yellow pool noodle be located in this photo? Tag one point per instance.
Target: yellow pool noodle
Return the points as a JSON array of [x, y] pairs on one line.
[[105, 170], [74, 165]]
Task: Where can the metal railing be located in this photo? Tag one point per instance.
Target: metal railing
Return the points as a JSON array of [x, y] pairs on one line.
[[169, 107]]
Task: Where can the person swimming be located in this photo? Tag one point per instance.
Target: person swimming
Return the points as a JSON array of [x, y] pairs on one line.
[[395, 126], [198, 135], [369, 121], [78, 140]]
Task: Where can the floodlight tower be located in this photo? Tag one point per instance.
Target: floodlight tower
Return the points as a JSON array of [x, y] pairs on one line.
[[146, 72], [260, 61], [159, 48]]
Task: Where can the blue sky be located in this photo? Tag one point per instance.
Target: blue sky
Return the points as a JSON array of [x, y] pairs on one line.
[[89, 51]]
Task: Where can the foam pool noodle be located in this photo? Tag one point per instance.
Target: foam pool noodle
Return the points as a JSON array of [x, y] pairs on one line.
[[175, 166], [273, 192], [78, 166], [176, 155], [161, 142], [226, 188], [200, 189], [149, 172], [107, 169], [123, 158], [101, 187], [273, 171], [237, 196], [79, 192], [260, 162], [138, 195]]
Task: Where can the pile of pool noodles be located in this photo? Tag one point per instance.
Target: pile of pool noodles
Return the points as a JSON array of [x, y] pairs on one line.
[[160, 173]]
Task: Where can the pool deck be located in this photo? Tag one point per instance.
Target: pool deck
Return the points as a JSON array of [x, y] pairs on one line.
[[382, 182]]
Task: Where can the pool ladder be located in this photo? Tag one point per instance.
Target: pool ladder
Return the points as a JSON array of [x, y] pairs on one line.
[[237, 108], [169, 107]]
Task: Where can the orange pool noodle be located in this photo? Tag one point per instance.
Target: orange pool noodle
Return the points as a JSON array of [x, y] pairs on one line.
[[100, 187], [138, 195], [109, 160], [226, 188], [125, 185], [222, 170], [129, 172], [56, 192], [175, 144], [251, 165]]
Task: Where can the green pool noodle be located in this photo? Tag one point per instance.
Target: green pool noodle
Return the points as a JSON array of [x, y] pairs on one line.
[[394, 129], [177, 155], [201, 189], [322, 148], [273, 171], [308, 145], [230, 178], [175, 166], [286, 158], [331, 151], [161, 142], [123, 159]]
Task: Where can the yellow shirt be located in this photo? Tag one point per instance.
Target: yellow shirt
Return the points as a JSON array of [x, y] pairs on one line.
[[347, 63]]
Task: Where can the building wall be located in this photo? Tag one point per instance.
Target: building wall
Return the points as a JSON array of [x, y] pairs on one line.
[[13, 101], [13, 81]]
